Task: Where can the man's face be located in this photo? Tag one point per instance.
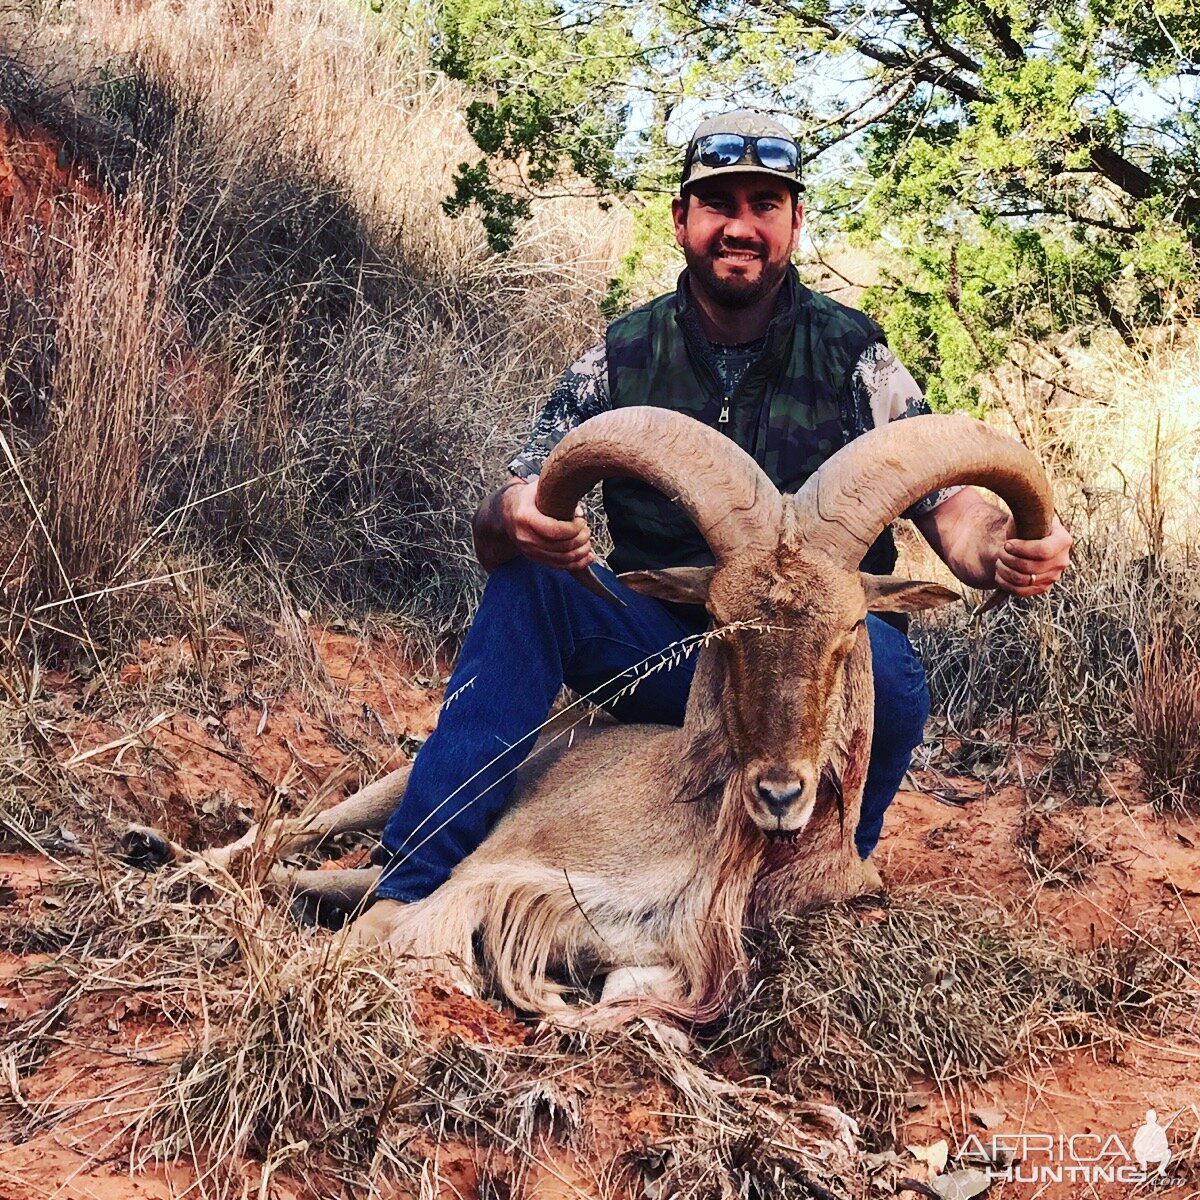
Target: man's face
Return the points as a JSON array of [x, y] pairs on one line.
[[738, 235]]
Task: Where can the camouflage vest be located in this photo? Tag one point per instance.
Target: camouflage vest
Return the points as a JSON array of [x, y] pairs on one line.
[[792, 410]]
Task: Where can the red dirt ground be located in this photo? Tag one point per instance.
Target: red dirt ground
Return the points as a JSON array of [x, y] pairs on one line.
[[1147, 879], [201, 775], [37, 178]]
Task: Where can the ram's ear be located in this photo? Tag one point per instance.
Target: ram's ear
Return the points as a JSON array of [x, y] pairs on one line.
[[887, 594], [683, 585]]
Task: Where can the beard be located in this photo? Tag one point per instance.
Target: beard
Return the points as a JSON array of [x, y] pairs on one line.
[[734, 292]]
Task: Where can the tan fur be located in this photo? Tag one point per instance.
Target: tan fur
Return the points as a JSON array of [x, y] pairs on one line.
[[636, 847]]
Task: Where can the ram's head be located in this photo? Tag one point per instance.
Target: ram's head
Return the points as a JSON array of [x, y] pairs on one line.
[[785, 591]]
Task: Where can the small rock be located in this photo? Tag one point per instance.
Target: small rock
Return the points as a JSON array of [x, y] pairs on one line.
[[961, 1185]]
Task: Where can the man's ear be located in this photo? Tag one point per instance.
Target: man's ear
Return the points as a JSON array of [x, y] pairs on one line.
[[887, 594], [683, 585], [679, 219]]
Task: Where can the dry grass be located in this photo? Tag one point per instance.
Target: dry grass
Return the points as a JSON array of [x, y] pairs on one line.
[[84, 481], [270, 375], [331, 371], [1056, 850], [312, 1064], [314, 373], [34, 788], [861, 999], [1166, 719], [1118, 433], [1131, 437], [315, 1057]]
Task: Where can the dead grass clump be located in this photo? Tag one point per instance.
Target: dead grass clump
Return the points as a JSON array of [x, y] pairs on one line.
[[87, 473], [1166, 719], [858, 999], [696, 1135], [740, 1140], [1056, 849], [326, 1061], [311, 1062], [328, 370], [34, 787], [1125, 487], [1067, 660], [335, 1071], [104, 932]]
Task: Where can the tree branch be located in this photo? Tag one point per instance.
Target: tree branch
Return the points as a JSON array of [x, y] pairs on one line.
[[1130, 178], [1095, 222], [946, 68], [954, 300], [906, 90], [1113, 315], [924, 14], [1110, 163], [1000, 28], [925, 68]]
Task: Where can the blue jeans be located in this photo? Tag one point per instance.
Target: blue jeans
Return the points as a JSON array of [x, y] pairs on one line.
[[537, 629]]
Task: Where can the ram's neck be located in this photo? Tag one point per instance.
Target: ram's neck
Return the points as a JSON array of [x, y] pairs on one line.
[[706, 762]]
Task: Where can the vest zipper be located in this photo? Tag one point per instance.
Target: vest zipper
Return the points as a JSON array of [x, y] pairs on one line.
[[696, 351]]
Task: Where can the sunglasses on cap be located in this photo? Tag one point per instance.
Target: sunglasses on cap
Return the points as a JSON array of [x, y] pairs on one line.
[[729, 149]]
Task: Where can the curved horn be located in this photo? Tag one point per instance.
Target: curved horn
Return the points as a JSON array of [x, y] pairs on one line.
[[722, 489], [858, 492]]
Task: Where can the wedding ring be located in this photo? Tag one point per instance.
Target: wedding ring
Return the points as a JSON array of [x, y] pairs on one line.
[[1032, 579]]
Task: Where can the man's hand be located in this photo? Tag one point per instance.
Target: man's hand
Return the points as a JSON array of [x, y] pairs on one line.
[[975, 540], [509, 523], [563, 544], [1029, 568]]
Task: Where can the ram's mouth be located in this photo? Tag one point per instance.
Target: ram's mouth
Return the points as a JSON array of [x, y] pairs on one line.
[[789, 836]]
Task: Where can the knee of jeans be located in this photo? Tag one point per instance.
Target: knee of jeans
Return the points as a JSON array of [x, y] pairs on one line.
[[521, 577], [915, 714], [902, 699]]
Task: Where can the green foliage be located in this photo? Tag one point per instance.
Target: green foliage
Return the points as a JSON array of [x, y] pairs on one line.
[[501, 209], [1032, 163], [650, 262], [550, 83]]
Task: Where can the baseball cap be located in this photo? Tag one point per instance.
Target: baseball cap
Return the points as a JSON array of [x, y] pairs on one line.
[[742, 141]]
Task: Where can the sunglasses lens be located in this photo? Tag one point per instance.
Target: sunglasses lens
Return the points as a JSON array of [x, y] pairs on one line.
[[729, 149], [776, 154], [721, 149]]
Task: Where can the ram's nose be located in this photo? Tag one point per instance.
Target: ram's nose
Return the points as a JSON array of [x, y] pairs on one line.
[[780, 795]]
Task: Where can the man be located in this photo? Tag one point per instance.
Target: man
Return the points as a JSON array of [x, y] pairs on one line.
[[787, 374]]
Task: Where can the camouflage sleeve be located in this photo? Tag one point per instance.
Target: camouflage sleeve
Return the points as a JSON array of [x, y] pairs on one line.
[[887, 392], [581, 392]]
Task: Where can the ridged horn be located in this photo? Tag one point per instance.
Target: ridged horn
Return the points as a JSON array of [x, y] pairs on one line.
[[858, 492], [722, 489]]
